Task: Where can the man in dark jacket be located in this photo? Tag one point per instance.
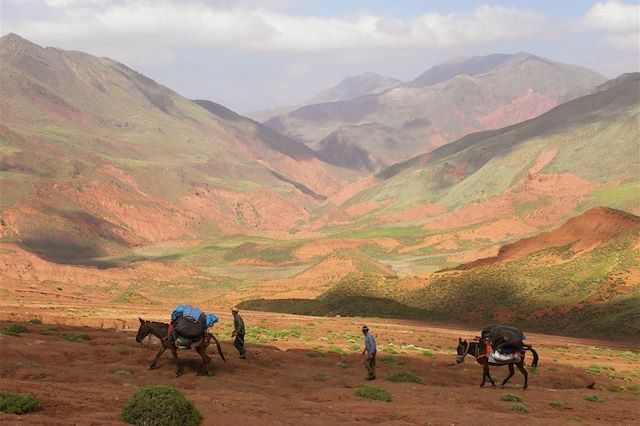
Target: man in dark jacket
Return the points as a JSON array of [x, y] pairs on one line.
[[238, 333]]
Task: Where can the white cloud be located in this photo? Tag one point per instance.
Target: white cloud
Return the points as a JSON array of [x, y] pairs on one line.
[[613, 16], [216, 24], [619, 21]]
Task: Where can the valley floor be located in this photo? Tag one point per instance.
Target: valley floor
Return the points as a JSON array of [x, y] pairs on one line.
[[304, 370]]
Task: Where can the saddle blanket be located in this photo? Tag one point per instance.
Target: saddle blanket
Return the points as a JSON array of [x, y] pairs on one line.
[[496, 357]]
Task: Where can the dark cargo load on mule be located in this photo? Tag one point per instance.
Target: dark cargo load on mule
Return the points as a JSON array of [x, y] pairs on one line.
[[504, 338], [187, 327]]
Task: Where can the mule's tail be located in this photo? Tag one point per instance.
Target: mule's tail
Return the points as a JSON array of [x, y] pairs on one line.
[[220, 349], [534, 363]]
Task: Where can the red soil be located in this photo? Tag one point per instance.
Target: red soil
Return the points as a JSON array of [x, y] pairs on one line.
[[584, 232], [524, 107], [326, 246], [89, 382]]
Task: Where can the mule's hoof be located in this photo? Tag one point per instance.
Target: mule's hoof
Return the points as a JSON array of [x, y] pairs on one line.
[[151, 367], [493, 386], [524, 388]]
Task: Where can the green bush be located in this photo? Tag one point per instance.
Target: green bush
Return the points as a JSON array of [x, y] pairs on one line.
[[320, 377], [634, 388], [16, 330], [391, 360], [35, 321], [18, 403], [510, 397], [519, 408], [556, 404], [75, 337], [615, 388], [593, 398], [160, 406], [373, 392], [405, 376], [594, 369]]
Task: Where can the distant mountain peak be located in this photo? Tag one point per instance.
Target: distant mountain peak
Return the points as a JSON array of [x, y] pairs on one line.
[[355, 86], [13, 40], [470, 66], [621, 79]]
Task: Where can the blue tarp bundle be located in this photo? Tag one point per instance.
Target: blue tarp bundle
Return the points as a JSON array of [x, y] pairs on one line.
[[193, 313]]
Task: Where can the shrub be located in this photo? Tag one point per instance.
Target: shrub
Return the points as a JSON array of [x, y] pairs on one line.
[[510, 397], [16, 330], [428, 353], [320, 377], [615, 388], [75, 337], [160, 406], [373, 392], [634, 388], [336, 350], [556, 404], [35, 321], [405, 376], [594, 369], [593, 398], [391, 360], [18, 403], [519, 408]]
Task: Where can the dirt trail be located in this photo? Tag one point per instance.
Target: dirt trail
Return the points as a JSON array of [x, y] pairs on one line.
[[288, 382]]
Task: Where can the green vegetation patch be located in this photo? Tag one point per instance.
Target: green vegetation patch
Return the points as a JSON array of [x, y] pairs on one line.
[[320, 377], [16, 330], [391, 360], [510, 397], [131, 296], [634, 388], [373, 392], [615, 388], [556, 404], [259, 334], [519, 408], [594, 369], [160, 406], [406, 376], [75, 337], [18, 403], [593, 398]]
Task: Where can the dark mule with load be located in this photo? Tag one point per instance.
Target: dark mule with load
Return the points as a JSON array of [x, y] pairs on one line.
[[498, 345], [194, 323]]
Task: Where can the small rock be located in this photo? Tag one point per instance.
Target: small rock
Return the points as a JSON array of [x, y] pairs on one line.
[[122, 373]]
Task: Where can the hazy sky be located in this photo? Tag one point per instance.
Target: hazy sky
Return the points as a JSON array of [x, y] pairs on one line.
[[249, 54]]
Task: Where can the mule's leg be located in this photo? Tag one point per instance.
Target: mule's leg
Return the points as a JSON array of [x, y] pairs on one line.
[[160, 352], [520, 366], [486, 367], [202, 351], [174, 353], [486, 375], [511, 373]]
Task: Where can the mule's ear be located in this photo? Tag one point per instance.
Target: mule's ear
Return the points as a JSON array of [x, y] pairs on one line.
[[141, 320], [459, 340]]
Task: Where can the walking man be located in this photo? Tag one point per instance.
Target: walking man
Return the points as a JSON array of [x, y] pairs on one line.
[[238, 332], [371, 350]]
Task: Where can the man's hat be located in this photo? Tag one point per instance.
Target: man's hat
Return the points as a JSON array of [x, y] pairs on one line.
[[234, 309], [364, 327]]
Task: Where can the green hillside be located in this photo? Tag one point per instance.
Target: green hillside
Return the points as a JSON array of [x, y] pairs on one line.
[[554, 289], [97, 158]]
